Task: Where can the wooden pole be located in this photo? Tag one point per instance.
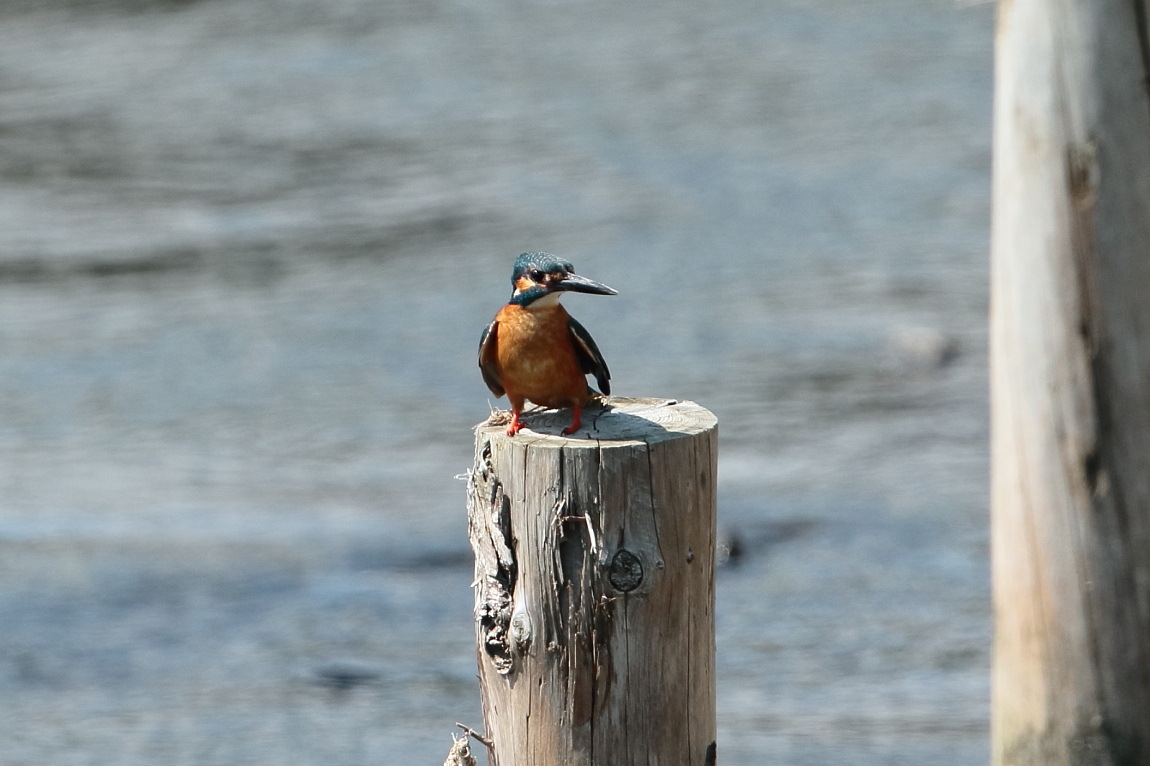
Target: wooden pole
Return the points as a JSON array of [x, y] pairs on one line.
[[1070, 384], [594, 586]]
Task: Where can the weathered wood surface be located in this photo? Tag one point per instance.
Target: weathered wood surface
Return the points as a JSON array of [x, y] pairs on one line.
[[1070, 383], [595, 586]]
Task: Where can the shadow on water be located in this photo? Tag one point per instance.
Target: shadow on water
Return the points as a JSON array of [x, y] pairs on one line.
[[102, 7], [736, 545]]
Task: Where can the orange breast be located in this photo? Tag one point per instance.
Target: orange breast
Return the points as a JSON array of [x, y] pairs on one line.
[[536, 358]]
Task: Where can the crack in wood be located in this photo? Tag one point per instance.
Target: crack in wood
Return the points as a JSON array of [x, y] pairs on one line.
[[489, 530]]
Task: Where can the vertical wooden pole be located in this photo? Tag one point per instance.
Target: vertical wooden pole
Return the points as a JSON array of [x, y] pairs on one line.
[[595, 587], [1070, 384]]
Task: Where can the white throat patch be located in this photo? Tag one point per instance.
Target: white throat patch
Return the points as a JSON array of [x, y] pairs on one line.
[[551, 300]]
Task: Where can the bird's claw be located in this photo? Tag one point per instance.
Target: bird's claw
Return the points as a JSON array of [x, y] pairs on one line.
[[576, 422]]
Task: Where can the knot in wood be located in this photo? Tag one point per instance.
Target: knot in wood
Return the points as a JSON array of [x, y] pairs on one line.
[[1082, 172], [521, 629], [626, 572]]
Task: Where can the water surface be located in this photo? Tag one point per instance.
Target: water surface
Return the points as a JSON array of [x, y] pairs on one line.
[[246, 251]]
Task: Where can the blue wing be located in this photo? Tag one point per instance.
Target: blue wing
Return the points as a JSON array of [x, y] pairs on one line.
[[590, 360], [488, 361]]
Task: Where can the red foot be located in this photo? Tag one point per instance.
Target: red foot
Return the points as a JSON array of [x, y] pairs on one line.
[[516, 424], [575, 423]]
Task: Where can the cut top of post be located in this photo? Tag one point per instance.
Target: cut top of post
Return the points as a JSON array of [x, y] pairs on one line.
[[616, 419]]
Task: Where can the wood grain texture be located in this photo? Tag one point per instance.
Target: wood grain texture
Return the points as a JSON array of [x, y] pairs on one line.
[[595, 586], [1070, 384]]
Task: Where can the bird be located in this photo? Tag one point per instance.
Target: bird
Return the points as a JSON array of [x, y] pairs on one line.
[[534, 350]]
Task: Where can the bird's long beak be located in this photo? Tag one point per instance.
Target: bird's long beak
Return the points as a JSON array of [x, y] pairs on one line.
[[577, 284]]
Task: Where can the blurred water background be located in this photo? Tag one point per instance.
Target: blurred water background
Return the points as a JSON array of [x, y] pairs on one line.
[[246, 252]]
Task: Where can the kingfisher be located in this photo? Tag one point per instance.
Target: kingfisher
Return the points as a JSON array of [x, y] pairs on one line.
[[535, 350]]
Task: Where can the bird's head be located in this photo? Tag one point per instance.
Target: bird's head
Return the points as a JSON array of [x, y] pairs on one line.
[[540, 278]]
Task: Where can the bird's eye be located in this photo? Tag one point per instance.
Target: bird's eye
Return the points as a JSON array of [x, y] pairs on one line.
[[536, 275]]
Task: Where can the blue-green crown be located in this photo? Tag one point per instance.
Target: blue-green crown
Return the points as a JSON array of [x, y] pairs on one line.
[[545, 262]]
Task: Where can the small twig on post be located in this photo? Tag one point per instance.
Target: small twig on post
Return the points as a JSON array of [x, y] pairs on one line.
[[481, 739]]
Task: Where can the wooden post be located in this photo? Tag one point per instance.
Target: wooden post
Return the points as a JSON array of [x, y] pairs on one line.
[[595, 586], [1070, 384]]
